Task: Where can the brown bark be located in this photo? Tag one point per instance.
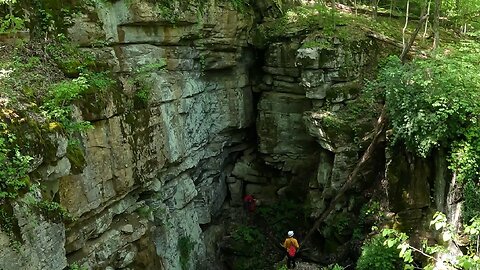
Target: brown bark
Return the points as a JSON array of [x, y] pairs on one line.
[[384, 38], [407, 48]]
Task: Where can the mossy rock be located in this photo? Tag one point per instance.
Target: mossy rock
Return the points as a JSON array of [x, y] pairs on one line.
[[76, 157]]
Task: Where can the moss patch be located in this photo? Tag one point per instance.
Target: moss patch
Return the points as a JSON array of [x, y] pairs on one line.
[[76, 157]]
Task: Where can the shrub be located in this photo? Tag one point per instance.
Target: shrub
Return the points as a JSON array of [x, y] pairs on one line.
[[13, 166], [471, 206], [283, 216], [431, 101], [378, 256], [53, 211], [333, 267]]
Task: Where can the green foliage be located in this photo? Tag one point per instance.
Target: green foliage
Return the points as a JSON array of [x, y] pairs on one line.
[[44, 18], [371, 209], [35, 85], [322, 44], [143, 95], [471, 205], [470, 259], [430, 101], [144, 211], [76, 156], [65, 92], [380, 253], [58, 100], [170, 10], [49, 17], [465, 154], [36, 80], [283, 216], [338, 225], [157, 66], [87, 79], [250, 244], [247, 234], [371, 214], [342, 222], [474, 227], [467, 262], [332, 121], [320, 17], [333, 267], [14, 166], [356, 119], [7, 221], [185, 247], [75, 266], [53, 211], [70, 59], [142, 81], [99, 82], [11, 24], [241, 5]]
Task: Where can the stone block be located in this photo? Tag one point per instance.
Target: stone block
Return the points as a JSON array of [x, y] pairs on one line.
[[282, 71], [318, 92], [281, 55], [312, 78], [236, 193]]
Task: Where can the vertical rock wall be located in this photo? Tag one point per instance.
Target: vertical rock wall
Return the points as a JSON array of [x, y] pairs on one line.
[[305, 83], [158, 171], [155, 170], [160, 167]]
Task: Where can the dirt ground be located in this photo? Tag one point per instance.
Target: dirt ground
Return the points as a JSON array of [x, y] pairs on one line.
[[300, 265]]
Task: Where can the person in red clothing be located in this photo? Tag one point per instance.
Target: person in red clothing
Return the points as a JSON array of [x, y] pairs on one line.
[[249, 203], [291, 246]]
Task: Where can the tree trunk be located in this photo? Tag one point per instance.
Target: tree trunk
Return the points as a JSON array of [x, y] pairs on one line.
[[406, 24], [406, 48], [333, 10], [436, 24], [426, 22], [374, 9], [379, 130], [391, 8], [10, 9]]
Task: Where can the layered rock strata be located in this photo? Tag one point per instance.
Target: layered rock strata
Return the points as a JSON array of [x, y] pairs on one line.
[[155, 170]]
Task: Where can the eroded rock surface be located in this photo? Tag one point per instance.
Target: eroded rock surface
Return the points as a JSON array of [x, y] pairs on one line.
[[154, 169], [157, 171]]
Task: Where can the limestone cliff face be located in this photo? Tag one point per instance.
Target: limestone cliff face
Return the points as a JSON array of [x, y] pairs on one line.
[[158, 170], [304, 85], [171, 157], [154, 170]]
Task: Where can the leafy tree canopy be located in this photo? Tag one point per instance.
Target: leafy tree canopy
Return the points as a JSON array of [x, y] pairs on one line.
[[433, 102]]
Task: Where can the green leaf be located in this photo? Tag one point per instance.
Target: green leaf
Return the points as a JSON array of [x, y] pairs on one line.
[[446, 236], [391, 242]]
